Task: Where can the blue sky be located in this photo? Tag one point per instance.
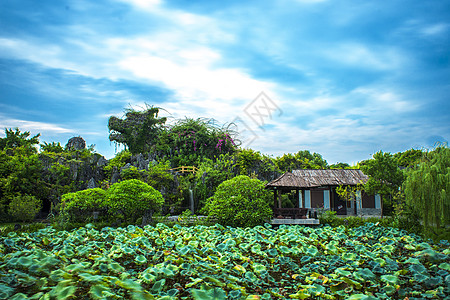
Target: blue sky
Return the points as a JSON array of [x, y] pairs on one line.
[[341, 78]]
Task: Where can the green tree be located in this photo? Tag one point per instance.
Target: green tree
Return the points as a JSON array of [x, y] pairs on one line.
[[427, 191], [303, 159], [19, 167], [385, 178], [132, 199], [81, 205], [240, 201], [188, 141], [138, 130], [24, 207], [408, 158], [15, 139]]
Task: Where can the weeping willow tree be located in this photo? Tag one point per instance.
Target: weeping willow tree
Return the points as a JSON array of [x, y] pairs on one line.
[[427, 190]]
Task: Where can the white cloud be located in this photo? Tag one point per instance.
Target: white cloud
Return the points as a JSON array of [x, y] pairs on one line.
[[435, 29], [361, 56], [33, 126]]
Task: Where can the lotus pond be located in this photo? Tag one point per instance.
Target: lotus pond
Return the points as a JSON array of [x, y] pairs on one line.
[[216, 262]]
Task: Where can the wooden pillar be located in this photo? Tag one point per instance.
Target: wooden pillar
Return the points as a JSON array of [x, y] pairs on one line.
[[275, 192], [297, 197], [279, 199]]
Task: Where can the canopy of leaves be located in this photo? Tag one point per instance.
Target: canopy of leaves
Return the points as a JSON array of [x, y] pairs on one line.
[[138, 130], [15, 139], [196, 139], [240, 201], [19, 167], [130, 198], [385, 177], [303, 159], [427, 190]]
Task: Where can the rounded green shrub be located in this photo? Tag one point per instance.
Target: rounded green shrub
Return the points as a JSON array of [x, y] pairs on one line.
[[131, 198], [240, 201], [81, 205], [24, 207]]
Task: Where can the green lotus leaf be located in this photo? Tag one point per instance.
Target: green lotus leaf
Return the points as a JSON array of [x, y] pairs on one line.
[[250, 276], [258, 268], [272, 252], [360, 297], [342, 272], [419, 277], [380, 261], [391, 279], [116, 268], [19, 296], [172, 292], [412, 260], [338, 287], [351, 282], [365, 275], [25, 261], [62, 292], [140, 259], [418, 268], [129, 284], [253, 297], [185, 250], [212, 294], [445, 266], [311, 251], [348, 256], [99, 291], [389, 290], [409, 247], [301, 294], [5, 291], [91, 278], [158, 286], [433, 281]]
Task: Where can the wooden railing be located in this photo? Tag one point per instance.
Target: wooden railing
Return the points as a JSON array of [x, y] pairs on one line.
[[185, 169], [290, 213]]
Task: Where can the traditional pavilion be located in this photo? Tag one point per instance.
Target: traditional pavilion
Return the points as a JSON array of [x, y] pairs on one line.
[[316, 189]]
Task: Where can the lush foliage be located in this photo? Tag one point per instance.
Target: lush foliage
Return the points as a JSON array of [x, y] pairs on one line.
[[427, 190], [24, 207], [199, 262], [131, 198], [81, 205], [301, 160], [240, 201], [19, 167], [138, 130], [385, 177]]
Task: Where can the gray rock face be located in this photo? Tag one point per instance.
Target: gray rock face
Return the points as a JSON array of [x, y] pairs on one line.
[[76, 143], [102, 162], [91, 184]]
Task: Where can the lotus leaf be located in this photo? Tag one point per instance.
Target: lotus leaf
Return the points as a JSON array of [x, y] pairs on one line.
[[212, 294]]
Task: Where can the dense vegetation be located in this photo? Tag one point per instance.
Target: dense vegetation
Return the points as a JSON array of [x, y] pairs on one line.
[[217, 262], [414, 184]]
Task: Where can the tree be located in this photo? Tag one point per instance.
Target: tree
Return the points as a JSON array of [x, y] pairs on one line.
[[408, 158], [19, 167], [385, 177], [132, 199], [195, 139], [138, 131], [15, 139], [240, 201], [427, 190], [303, 159]]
